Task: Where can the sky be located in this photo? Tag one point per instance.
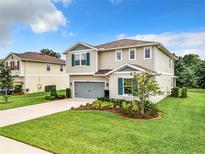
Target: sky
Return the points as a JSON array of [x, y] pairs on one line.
[[31, 25]]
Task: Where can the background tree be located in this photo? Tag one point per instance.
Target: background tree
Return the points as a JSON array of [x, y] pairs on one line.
[[6, 81], [190, 71], [50, 52], [145, 86]]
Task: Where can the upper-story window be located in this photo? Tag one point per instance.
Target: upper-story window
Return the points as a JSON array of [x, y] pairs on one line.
[[118, 55], [147, 53], [77, 59], [61, 68], [132, 54], [81, 59], [48, 67]]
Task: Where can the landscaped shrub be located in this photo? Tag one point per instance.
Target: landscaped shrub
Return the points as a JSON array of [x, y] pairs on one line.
[[68, 92], [18, 88], [150, 108], [53, 91], [175, 92], [184, 92], [115, 101], [50, 97], [61, 96]]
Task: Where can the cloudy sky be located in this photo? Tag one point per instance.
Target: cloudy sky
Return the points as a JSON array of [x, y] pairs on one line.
[[30, 25]]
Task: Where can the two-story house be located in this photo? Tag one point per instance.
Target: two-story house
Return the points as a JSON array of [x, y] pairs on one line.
[[93, 69], [35, 71]]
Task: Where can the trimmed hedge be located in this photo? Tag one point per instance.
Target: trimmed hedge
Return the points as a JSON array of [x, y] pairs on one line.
[[184, 92], [175, 92], [115, 101], [61, 96], [53, 91]]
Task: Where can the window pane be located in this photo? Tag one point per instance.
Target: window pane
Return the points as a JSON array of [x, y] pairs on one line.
[[77, 59], [147, 53], [132, 54], [128, 86], [127, 82], [119, 55], [128, 90], [48, 67], [83, 59]]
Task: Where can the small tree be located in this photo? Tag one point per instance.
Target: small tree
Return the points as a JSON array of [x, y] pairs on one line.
[[50, 52], [6, 80], [145, 86]]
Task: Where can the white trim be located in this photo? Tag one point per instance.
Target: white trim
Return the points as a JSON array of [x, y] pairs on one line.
[[44, 75], [87, 73], [165, 73], [150, 52], [132, 46], [128, 72], [134, 67], [73, 84], [116, 52], [74, 45], [135, 52], [81, 51]]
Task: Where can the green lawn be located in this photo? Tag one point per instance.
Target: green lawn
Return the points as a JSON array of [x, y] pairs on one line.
[[24, 100], [181, 130]]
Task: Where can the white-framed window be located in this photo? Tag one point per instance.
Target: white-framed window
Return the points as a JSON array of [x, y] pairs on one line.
[[147, 52], [118, 55], [61, 68], [83, 59], [48, 67], [80, 59], [132, 54], [127, 86]]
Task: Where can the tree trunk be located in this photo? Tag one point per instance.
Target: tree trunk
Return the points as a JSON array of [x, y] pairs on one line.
[[142, 108]]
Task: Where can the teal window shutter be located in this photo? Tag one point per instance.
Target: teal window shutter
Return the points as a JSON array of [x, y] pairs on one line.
[[120, 86], [134, 87], [72, 59], [88, 58]]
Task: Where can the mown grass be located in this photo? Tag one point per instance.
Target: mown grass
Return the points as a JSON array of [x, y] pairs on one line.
[[180, 130], [24, 100]]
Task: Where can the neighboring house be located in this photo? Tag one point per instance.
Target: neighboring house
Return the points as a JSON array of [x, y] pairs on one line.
[[93, 69], [34, 71]]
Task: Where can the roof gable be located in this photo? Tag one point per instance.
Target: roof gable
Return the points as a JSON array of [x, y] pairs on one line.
[[80, 46]]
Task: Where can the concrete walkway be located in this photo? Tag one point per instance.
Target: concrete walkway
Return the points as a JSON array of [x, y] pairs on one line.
[[13, 116]]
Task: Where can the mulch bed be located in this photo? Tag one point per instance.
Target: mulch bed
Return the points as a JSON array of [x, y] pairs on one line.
[[120, 113]]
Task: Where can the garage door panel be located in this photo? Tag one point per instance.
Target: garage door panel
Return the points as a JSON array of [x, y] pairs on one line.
[[89, 89]]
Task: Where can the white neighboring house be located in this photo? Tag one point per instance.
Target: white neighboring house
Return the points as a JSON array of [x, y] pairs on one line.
[[93, 69], [34, 71]]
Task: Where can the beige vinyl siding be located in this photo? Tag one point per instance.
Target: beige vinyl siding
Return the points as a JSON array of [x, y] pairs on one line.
[[36, 68], [38, 83], [92, 68], [162, 62], [107, 59]]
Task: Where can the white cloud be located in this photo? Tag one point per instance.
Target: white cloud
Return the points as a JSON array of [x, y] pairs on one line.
[[180, 43], [40, 15], [116, 2], [65, 2]]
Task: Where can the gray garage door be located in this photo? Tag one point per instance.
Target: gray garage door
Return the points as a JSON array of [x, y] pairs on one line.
[[89, 89]]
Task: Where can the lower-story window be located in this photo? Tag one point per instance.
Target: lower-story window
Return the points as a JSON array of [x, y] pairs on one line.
[[127, 86]]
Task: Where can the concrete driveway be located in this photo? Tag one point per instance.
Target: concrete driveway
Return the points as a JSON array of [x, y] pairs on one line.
[[13, 116]]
